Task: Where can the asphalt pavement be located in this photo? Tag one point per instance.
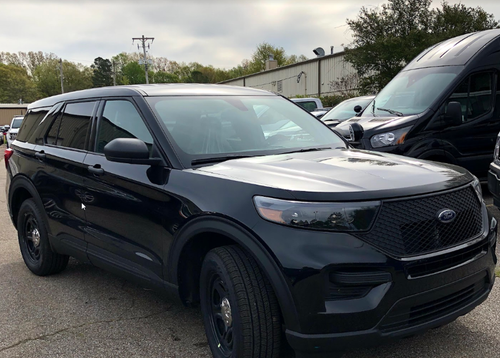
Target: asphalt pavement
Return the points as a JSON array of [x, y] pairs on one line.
[[86, 312]]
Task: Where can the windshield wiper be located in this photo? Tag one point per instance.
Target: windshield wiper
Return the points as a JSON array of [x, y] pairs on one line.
[[391, 111], [303, 150], [218, 159]]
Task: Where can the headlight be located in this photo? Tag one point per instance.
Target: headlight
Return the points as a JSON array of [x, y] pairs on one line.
[[319, 216], [390, 138], [476, 184]]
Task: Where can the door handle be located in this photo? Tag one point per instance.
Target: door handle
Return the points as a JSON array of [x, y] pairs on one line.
[[96, 169], [40, 155]]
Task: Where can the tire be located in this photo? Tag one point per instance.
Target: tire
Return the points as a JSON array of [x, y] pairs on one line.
[[239, 307], [34, 242]]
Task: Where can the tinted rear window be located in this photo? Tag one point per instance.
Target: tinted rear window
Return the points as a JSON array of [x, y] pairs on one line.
[[30, 123]]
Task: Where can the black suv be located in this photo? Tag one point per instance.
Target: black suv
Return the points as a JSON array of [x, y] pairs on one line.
[[239, 200]]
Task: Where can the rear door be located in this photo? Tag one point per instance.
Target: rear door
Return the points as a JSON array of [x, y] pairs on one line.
[[126, 214], [59, 175]]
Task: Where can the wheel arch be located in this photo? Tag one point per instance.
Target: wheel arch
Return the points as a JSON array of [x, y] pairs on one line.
[[201, 235], [22, 188]]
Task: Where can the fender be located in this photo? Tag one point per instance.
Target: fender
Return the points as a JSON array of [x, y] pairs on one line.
[[251, 244], [23, 182], [438, 152]]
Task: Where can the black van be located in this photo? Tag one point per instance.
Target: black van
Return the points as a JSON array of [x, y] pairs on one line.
[[443, 106]]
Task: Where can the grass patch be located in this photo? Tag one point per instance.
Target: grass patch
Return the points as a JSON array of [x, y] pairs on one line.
[[497, 271]]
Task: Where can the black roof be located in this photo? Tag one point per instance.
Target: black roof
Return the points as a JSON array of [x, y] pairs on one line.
[[168, 89], [457, 51]]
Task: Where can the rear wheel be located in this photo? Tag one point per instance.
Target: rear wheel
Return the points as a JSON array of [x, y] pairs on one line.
[[34, 242], [239, 307]]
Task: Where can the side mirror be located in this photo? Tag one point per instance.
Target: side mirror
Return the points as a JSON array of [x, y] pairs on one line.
[[358, 108], [129, 150], [356, 132], [453, 115]]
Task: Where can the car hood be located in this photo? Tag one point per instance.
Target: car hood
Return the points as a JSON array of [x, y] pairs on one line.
[[342, 174], [14, 130], [374, 123]]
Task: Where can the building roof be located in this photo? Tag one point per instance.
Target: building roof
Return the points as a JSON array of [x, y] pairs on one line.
[[13, 106], [168, 89]]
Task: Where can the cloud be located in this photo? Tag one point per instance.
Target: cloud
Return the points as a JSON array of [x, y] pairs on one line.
[[221, 32]]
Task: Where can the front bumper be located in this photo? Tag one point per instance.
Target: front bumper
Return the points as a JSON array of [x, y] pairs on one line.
[[408, 316], [349, 294]]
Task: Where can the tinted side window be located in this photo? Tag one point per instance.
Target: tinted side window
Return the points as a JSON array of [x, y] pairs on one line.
[[120, 119], [31, 121], [72, 126], [475, 96]]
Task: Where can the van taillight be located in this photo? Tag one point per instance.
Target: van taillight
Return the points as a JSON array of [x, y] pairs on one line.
[[8, 153]]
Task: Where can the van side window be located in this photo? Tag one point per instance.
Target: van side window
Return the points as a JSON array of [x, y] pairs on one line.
[[31, 121], [70, 129], [475, 96], [120, 119]]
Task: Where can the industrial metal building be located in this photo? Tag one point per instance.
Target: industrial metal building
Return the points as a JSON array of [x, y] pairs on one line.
[[316, 77], [8, 111]]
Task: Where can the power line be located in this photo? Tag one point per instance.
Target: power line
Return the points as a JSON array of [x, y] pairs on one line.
[[144, 43]]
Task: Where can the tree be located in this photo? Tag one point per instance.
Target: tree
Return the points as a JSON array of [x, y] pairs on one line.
[[48, 81], [133, 74], [262, 54], [387, 38], [102, 74], [163, 77], [15, 85]]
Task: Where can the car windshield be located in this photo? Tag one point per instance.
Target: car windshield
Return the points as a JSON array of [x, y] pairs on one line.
[[345, 110], [412, 92], [214, 127], [16, 122]]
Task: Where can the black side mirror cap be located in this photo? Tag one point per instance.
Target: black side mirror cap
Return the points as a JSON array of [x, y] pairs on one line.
[[358, 108], [356, 132], [129, 150], [453, 115]]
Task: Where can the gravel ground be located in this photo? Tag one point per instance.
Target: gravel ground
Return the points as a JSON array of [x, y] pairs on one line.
[[86, 312]]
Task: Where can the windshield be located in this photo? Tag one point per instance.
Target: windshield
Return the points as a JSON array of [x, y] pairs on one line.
[[16, 122], [345, 110], [412, 92], [225, 126]]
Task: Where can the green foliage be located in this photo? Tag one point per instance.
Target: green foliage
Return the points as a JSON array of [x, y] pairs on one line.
[[15, 84], [387, 38], [47, 77], [133, 74], [162, 77], [102, 72]]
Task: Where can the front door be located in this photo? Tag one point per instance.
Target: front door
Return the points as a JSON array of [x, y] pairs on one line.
[[125, 204]]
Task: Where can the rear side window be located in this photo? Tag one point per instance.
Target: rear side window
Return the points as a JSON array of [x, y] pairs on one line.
[[30, 123], [70, 129], [120, 119]]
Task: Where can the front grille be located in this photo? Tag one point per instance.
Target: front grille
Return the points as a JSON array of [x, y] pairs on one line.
[[401, 318], [410, 227]]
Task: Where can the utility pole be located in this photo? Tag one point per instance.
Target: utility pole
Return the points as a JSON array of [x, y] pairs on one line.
[[114, 72], [62, 75], [144, 42]]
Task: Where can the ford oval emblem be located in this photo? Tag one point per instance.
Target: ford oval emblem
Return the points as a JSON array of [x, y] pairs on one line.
[[446, 216]]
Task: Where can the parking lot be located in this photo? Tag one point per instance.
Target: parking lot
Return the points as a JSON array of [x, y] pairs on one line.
[[86, 312]]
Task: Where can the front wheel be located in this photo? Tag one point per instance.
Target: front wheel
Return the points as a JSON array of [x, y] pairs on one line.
[[34, 242], [239, 307]]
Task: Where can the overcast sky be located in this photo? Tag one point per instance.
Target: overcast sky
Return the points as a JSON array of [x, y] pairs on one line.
[[212, 32]]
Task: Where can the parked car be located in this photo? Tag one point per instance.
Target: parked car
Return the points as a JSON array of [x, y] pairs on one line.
[[310, 104], [494, 174], [443, 106], [13, 129], [273, 223], [345, 110]]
